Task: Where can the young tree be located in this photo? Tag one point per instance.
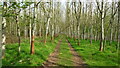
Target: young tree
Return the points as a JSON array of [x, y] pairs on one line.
[[33, 30], [30, 29], [53, 20], [49, 15], [4, 28], [33, 27], [18, 33], [102, 11], [91, 25]]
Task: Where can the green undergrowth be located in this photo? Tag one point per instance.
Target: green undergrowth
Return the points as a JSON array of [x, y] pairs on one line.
[[65, 57], [42, 52], [92, 56]]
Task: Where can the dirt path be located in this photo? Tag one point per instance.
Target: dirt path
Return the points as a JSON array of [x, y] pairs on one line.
[[77, 61], [52, 61], [53, 58]]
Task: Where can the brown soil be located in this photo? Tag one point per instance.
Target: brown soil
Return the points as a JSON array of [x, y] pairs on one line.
[[77, 61], [53, 58]]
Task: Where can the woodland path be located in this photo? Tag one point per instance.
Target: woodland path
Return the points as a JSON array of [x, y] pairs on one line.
[[53, 60], [77, 60], [53, 57]]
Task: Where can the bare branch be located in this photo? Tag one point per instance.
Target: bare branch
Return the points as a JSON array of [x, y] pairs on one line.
[[98, 6]]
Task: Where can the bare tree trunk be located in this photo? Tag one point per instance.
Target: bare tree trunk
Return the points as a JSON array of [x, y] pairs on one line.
[[18, 33], [91, 34], [98, 36], [40, 32], [10, 27], [47, 27], [78, 33], [88, 36], [111, 34], [52, 31], [102, 33], [32, 42], [16, 29], [25, 28], [95, 36], [53, 20], [111, 24], [102, 16], [3, 30], [33, 30], [77, 15], [72, 30], [30, 30], [69, 32], [25, 32], [84, 30], [3, 36]]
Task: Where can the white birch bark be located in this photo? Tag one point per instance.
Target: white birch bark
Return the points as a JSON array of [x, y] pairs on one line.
[[3, 36], [47, 27], [4, 30]]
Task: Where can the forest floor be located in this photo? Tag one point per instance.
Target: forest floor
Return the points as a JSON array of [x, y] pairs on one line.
[[61, 52]]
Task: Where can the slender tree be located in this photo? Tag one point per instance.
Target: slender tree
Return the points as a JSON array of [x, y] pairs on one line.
[[32, 51], [102, 16], [18, 33], [4, 28]]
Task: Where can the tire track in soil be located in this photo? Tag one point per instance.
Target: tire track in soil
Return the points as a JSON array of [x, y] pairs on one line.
[[53, 58], [77, 61]]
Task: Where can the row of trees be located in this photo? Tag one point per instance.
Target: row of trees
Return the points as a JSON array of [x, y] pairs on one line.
[[83, 20], [94, 21]]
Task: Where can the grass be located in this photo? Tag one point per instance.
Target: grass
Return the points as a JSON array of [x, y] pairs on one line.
[[90, 53], [65, 56], [42, 52], [93, 57]]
